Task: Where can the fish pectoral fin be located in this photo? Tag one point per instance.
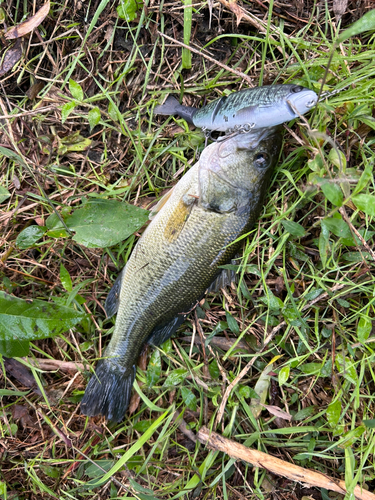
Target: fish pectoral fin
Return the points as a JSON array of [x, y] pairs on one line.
[[160, 204], [108, 391], [224, 279], [112, 302], [163, 332], [179, 217]]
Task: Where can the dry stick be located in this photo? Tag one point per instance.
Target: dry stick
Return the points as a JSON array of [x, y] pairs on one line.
[[276, 465], [357, 233], [268, 339], [241, 13], [209, 58]]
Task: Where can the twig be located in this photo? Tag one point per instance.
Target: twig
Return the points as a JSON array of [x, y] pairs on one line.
[[240, 14], [276, 465], [209, 58], [356, 232], [54, 364]]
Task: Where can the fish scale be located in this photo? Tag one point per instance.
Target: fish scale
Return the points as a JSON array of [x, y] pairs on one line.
[[178, 257]]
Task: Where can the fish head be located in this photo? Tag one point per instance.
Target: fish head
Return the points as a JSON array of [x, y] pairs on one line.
[[237, 169], [300, 100]]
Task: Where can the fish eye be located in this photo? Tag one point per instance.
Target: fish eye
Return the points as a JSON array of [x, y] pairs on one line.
[[261, 160], [296, 89]]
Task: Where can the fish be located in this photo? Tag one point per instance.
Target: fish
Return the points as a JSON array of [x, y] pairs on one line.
[[193, 232], [249, 109]]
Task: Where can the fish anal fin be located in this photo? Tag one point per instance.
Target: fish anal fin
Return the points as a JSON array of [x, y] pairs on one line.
[[112, 302], [224, 279], [162, 333]]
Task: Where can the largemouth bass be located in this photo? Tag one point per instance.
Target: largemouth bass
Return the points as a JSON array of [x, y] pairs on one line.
[[254, 108], [178, 258]]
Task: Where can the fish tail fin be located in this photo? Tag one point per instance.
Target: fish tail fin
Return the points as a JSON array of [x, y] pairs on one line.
[[169, 107], [108, 391], [172, 107]]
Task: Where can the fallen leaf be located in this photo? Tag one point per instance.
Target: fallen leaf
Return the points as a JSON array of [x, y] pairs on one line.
[[34, 90], [275, 410], [33, 22], [11, 57]]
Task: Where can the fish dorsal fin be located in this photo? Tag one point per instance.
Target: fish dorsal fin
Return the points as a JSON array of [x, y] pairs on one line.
[[113, 298], [160, 204]]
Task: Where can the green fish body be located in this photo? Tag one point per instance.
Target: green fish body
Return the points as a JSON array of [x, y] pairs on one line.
[[178, 257]]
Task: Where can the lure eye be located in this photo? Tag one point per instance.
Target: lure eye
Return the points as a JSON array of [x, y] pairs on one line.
[[261, 160], [296, 89]]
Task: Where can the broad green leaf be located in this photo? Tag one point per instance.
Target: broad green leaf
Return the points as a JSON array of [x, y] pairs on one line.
[[305, 413], [142, 425], [29, 236], [310, 368], [50, 471], [76, 90], [176, 377], [95, 469], [333, 193], [244, 391], [351, 436], [3, 489], [364, 179], [313, 293], [4, 194], [293, 228], [333, 413], [365, 202], [14, 348], [93, 117], [349, 468], [127, 10], [347, 368], [273, 302], [324, 244], [66, 110], [154, 368], [337, 157], [113, 112], [9, 153], [364, 328], [213, 368], [37, 319], [65, 278], [337, 226], [232, 323], [370, 423], [365, 23], [283, 375], [188, 398], [103, 223], [73, 142]]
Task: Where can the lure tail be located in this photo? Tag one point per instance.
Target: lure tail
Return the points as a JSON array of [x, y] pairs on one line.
[[172, 107], [108, 391]]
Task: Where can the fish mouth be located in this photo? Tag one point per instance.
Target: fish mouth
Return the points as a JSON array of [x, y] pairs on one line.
[[300, 106]]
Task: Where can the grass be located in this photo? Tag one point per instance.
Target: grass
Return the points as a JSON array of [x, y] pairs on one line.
[[304, 273]]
